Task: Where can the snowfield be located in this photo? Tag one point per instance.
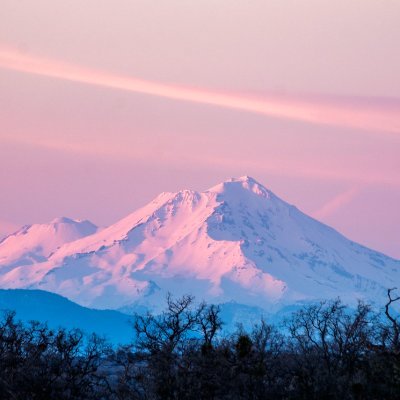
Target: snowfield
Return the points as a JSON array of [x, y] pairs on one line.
[[235, 242]]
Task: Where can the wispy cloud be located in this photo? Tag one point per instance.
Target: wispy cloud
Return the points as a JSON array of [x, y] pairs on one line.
[[273, 166], [337, 202], [359, 116], [95, 148]]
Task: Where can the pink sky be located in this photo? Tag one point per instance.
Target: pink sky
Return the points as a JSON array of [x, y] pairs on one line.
[[105, 105]]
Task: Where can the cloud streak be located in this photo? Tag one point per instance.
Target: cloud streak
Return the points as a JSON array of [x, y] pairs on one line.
[[337, 203], [273, 166], [358, 116]]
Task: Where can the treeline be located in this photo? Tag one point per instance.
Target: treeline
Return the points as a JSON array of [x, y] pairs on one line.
[[323, 351]]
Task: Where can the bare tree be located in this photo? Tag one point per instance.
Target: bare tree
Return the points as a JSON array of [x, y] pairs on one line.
[[393, 320]]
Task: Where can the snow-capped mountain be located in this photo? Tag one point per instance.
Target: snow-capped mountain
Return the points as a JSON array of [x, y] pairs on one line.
[[235, 242], [35, 243]]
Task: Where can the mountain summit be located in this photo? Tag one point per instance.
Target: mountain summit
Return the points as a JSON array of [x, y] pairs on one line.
[[236, 241], [35, 243]]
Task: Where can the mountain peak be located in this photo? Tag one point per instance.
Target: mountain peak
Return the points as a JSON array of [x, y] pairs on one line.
[[34, 243], [240, 186], [244, 178], [236, 241], [75, 222], [63, 220]]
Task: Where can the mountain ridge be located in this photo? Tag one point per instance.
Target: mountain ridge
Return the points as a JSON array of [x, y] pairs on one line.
[[237, 241], [36, 242]]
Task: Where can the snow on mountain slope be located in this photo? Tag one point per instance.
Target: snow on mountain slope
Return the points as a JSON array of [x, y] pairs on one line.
[[236, 241], [35, 243]]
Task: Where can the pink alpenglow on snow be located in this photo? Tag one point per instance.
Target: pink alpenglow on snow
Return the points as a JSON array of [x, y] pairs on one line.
[[237, 241], [103, 106]]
